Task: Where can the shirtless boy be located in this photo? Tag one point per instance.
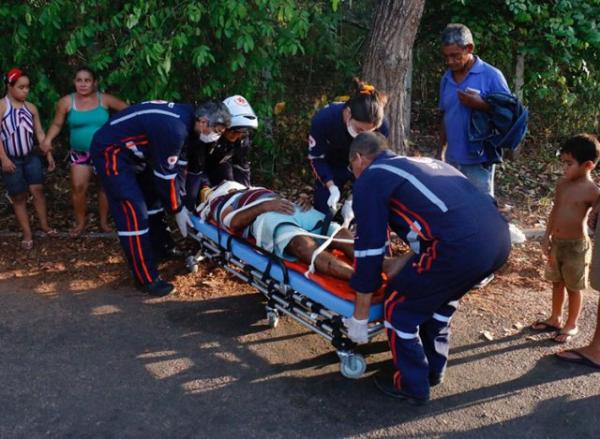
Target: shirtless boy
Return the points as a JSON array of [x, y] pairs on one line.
[[565, 243]]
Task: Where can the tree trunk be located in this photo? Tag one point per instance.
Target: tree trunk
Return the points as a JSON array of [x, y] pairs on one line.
[[520, 75], [388, 58]]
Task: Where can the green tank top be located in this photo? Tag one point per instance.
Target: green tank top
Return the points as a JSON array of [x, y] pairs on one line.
[[83, 124]]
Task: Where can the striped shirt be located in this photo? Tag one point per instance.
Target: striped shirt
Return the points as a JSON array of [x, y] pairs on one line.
[[16, 130], [238, 201]]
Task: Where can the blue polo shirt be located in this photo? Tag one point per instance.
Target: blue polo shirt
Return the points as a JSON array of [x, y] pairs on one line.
[[482, 77]]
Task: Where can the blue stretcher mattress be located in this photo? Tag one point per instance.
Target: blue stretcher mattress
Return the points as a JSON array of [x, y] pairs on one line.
[[297, 280]]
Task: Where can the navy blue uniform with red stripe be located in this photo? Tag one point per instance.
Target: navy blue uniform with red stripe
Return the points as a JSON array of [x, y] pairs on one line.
[[458, 237], [328, 149], [135, 154]]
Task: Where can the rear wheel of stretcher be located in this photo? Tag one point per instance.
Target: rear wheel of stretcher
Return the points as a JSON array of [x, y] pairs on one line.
[[272, 318], [352, 365]]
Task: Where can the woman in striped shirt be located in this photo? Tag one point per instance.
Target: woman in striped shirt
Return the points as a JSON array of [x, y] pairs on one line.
[[21, 164]]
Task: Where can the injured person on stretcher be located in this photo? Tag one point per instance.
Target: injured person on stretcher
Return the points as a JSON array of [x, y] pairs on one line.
[[285, 229]]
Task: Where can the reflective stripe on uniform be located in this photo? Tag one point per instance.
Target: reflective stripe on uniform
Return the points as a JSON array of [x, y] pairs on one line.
[[139, 113], [416, 183], [441, 318], [165, 176], [133, 233], [370, 252], [401, 334]]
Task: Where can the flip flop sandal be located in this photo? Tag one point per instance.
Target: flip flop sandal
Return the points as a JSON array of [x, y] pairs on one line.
[[27, 244], [565, 336], [578, 359], [542, 326], [49, 232]]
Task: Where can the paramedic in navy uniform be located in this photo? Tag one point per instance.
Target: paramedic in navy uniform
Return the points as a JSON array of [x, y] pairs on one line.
[[135, 154], [457, 237], [331, 132], [225, 159]]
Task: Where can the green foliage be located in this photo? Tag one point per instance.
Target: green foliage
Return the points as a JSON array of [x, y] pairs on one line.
[[561, 43], [185, 50]]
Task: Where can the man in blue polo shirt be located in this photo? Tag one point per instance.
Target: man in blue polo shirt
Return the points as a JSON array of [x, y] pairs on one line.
[[466, 81], [457, 237]]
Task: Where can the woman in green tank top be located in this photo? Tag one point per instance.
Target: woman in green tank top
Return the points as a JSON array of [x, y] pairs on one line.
[[85, 111]]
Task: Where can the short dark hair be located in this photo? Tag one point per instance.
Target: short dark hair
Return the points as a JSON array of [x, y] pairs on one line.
[[583, 147], [369, 144], [86, 69], [366, 103]]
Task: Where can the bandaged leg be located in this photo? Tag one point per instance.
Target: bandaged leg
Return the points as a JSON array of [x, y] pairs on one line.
[[303, 248]]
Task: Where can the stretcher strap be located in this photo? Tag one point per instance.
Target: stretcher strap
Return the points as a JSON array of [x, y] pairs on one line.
[[322, 247]]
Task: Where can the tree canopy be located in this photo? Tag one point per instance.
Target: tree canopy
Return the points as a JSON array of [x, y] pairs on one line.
[[298, 52]]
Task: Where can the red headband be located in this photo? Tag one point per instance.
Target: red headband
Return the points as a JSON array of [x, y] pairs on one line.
[[13, 75]]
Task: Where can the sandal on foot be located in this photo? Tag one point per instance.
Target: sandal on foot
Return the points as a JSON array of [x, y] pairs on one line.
[[76, 233], [544, 326], [27, 244], [49, 232], [566, 335], [574, 356]]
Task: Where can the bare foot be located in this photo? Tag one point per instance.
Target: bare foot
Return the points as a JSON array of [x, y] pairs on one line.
[[586, 355], [106, 228], [76, 231]]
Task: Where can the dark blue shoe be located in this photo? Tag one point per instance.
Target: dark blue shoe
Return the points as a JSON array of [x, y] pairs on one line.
[[158, 288], [386, 385]]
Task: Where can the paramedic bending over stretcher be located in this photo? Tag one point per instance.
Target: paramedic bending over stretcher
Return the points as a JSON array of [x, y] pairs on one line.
[[276, 224], [458, 238], [135, 154]]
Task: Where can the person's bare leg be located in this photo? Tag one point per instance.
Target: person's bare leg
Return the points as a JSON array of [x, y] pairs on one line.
[[592, 350], [574, 310], [39, 204], [19, 203], [303, 248], [558, 300], [80, 178], [392, 266], [346, 248], [103, 209]]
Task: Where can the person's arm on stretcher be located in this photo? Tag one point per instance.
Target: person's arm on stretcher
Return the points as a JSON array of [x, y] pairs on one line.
[[247, 216]]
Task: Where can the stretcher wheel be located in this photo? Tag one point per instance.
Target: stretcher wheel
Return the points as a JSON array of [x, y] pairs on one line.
[[352, 366], [191, 264], [272, 319]]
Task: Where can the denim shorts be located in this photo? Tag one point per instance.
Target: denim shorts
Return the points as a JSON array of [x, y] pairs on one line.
[[28, 172], [480, 175]]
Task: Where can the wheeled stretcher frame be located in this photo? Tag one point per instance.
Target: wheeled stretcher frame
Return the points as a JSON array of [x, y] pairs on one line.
[[287, 292]]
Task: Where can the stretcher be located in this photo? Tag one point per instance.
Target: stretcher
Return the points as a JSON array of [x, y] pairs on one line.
[[317, 302]]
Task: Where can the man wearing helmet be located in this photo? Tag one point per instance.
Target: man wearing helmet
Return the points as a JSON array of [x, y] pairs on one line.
[[136, 154], [227, 158]]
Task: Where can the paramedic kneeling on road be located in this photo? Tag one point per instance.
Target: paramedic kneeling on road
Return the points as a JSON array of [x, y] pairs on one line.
[[457, 236], [135, 154]]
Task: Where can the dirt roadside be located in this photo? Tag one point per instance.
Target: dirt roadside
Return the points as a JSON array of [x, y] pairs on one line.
[[85, 355]]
